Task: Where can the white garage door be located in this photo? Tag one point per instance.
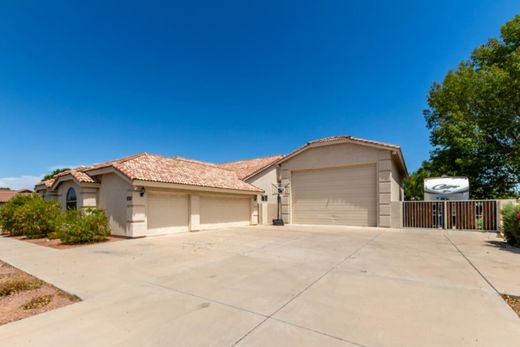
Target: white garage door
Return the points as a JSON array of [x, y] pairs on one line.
[[217, 211], [342, 196], [167, 213]]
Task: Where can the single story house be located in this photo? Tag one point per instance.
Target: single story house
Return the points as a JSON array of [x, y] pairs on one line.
[[339, 180]]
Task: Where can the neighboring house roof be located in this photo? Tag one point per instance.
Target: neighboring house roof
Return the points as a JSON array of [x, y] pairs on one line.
[[249, 167], [155, 168], [6, 194]]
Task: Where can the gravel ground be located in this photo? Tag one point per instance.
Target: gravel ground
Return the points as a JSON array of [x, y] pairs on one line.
[[40, 292]]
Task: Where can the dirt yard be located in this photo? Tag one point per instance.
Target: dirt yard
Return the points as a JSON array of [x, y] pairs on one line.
[[22, 295], [55, 243], [513, 301]]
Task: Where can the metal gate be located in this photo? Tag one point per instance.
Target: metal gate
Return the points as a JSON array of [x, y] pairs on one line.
[[462, 215]]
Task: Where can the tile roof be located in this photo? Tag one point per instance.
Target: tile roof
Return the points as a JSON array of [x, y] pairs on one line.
[[155, 168], [6, 194], [150, 167], [80, 176], [353, 139], [178, 170], [247, 168], [342, 139]]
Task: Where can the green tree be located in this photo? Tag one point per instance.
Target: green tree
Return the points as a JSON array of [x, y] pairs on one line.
[[414, 184], [474, 118], [54, 173]]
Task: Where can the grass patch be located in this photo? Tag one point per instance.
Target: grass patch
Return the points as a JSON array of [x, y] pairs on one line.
[[38, 302], [72, 298], [513, 301], [18, 284]]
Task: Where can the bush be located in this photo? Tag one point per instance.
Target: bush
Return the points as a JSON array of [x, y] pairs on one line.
[[29, 215], [37, 218], [8, 210], [511, 224], [85, 225], [38, 302], [18, 284]]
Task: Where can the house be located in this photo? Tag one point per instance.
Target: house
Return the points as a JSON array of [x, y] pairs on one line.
[[339, 180], [6, 194]]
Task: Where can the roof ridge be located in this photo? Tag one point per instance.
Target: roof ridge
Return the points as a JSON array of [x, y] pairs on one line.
[[238, 161], [195, 161]]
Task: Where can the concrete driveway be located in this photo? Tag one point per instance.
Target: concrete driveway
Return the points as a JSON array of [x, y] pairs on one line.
[[267, 286]]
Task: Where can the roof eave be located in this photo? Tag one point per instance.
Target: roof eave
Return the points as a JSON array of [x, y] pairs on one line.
[[181, 186]]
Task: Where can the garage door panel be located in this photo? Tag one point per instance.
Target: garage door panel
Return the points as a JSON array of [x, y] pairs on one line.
[[167, 213], [344, 196], [219, 211]]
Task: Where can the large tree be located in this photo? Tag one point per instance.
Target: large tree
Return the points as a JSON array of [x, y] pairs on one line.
[[53, 173], [474, 118]]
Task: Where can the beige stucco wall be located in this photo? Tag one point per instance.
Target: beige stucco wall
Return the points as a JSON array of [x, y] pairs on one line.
[[396, 196], [112, 197], [265, 181], [397, 193], [348, 154]]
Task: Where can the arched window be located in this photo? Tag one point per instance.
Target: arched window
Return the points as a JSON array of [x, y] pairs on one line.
[[72, 201]]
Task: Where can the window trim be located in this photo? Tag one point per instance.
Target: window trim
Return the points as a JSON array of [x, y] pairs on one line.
[[71, 202]]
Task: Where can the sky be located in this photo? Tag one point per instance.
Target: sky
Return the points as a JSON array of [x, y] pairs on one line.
[[85, 82]]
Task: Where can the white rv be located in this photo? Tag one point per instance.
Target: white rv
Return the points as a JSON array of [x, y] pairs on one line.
[[446, 188]]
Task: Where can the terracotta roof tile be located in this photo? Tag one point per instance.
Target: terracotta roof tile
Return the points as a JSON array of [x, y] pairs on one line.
[[6, 194], [78, 175], [155, 168], [149, 167], [247, 168]]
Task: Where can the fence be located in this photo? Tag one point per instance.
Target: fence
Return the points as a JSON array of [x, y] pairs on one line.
[[463, 215]]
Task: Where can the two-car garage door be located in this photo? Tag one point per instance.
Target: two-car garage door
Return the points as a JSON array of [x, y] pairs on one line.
[[170, 212], [340, 196]]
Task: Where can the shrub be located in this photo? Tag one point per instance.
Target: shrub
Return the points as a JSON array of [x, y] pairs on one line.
[[37, 218], [19, 284], [38, 302], [85, 225], [8, 211], [511, 224]]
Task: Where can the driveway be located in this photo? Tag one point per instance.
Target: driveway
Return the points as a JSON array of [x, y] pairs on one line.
[[268, 286]]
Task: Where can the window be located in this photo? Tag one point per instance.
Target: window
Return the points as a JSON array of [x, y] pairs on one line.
[[72, 201], [264, 197]]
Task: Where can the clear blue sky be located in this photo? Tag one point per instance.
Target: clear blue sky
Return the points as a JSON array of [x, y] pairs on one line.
[[83, 82]]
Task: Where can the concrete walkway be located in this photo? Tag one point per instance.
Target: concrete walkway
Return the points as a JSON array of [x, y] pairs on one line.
[[290, 286]]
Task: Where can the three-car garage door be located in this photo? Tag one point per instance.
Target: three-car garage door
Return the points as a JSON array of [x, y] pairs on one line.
[[340, 196]]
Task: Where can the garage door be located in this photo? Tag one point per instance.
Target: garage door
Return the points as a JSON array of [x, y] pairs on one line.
[[342, 196], [217, 211], [167, 213]]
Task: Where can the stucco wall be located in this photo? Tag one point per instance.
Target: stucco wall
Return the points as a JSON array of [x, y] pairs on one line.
[[347, 154], [396, 183], [112, 197], [265, 181], [62, 193]]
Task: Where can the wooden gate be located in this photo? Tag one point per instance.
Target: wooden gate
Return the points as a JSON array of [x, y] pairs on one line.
[[462, 215]]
